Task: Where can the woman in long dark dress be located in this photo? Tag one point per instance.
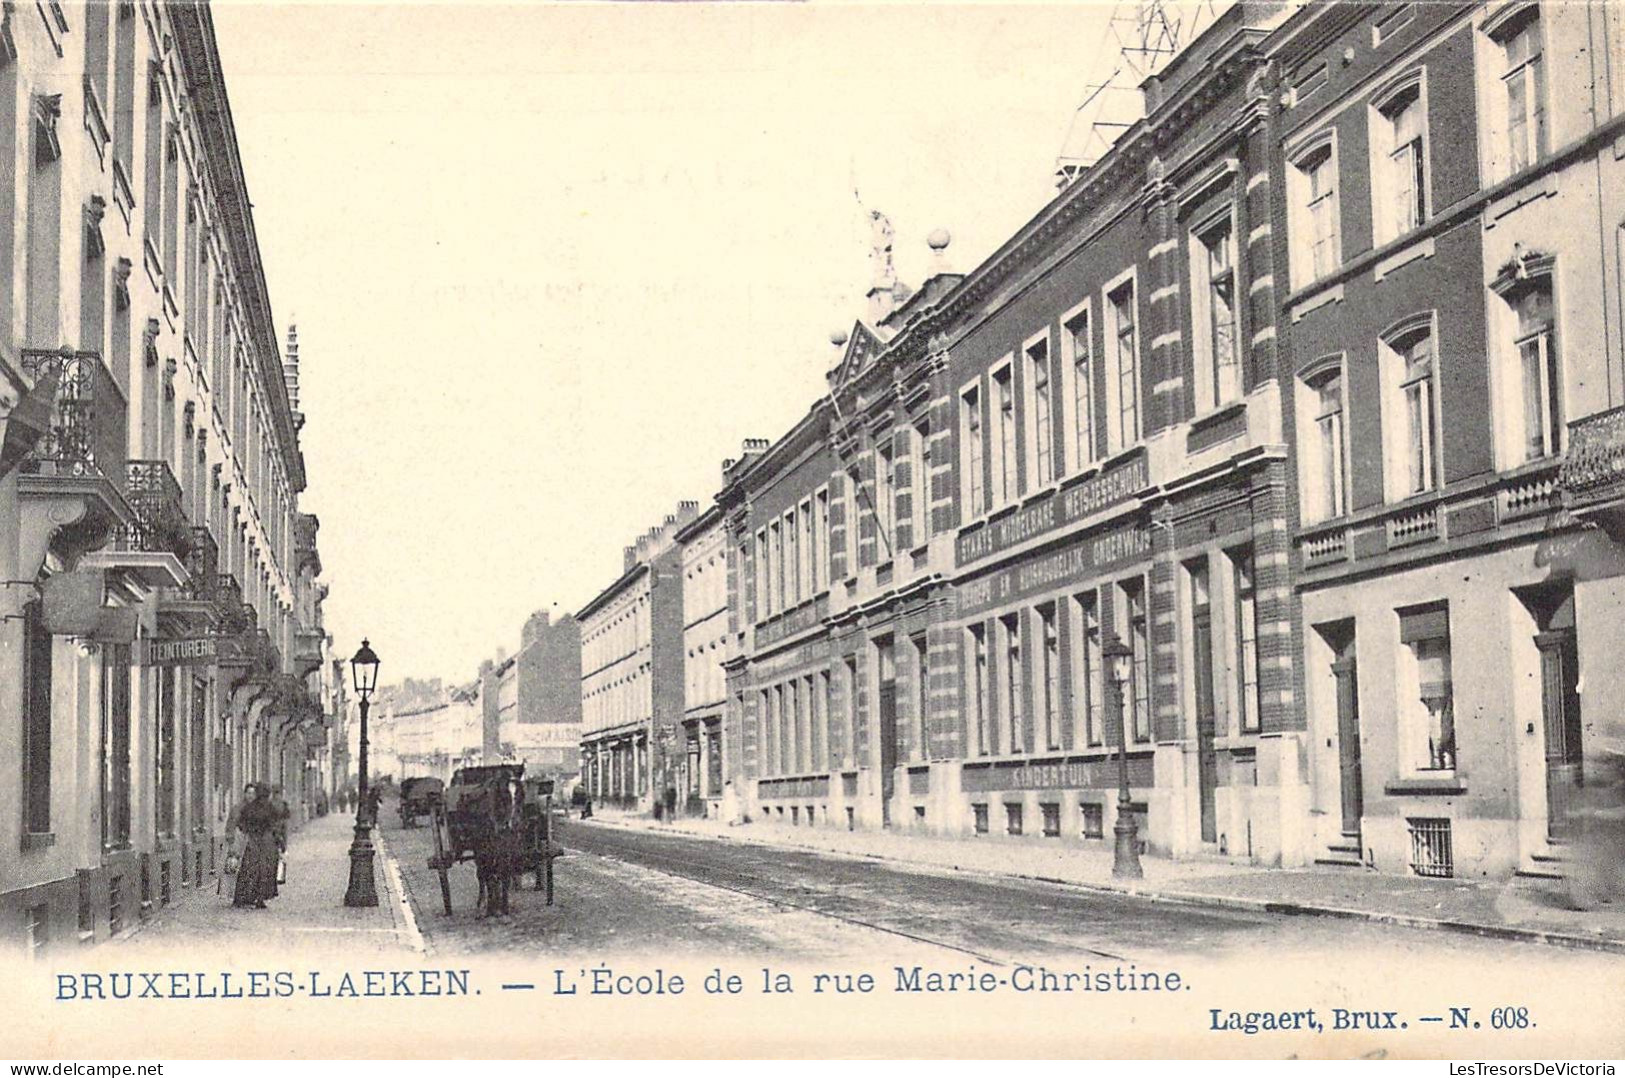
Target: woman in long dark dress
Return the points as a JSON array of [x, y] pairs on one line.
[[256, 873]]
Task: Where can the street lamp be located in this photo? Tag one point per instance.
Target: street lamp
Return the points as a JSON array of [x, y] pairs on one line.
[[1126, 854], [362, 891]]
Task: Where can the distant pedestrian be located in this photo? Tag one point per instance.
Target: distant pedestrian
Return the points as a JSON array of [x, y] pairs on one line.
[[256, 866], [671, 804]]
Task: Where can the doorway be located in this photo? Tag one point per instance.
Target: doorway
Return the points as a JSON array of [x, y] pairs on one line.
[[887, 664]]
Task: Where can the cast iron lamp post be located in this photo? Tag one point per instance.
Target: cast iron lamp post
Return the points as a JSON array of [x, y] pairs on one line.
[[1126, 853], [362, 890]]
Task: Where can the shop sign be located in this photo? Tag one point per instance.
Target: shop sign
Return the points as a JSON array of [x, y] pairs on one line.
[[1073, 563], [200, 651], [1099, 492], [800, 655]]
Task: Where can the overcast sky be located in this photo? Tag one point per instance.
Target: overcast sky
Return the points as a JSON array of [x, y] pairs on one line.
[[550, 264]]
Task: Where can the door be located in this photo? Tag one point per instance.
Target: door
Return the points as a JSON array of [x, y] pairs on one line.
[[1560, 711], [1348, 737], [888, 729], [1207, 757]]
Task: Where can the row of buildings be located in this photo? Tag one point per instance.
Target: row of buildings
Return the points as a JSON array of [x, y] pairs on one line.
[[1309, 390], [521, 708], [161, 633]]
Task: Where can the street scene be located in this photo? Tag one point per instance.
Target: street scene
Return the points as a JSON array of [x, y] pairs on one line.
[[700, 483]]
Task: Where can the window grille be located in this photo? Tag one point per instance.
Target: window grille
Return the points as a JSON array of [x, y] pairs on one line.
[[1431, 853], [1094, 819], [115, 905], [979, 816], [1052, 819]]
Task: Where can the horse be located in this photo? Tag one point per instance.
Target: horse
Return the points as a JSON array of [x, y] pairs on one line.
[[498, 846]]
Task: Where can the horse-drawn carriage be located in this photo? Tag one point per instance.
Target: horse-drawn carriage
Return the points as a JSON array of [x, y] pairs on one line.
[[419, 796], [494, 816]]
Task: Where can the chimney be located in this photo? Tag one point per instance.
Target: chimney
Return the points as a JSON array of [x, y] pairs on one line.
[[629, 558], [290, 375]]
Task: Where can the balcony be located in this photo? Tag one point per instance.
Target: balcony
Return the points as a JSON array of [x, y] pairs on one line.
[[305, 556], [308, 644], [71, 479], [154, 544], [1592, 479], [192, 607]]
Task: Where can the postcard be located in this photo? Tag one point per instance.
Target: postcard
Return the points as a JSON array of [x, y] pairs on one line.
[[826, 531]]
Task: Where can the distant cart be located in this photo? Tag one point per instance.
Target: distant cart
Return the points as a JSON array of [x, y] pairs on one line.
[[419, 796]]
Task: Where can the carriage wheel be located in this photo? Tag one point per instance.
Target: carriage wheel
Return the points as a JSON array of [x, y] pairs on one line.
[[441, 860]]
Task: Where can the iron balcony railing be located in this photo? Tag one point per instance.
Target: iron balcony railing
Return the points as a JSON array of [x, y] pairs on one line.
[[89, 417], [1594, 467], [202, 565], [160, 522]]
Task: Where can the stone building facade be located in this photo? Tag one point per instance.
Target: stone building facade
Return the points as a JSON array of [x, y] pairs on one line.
[[162, 619], [1454, 211], [632, 673]]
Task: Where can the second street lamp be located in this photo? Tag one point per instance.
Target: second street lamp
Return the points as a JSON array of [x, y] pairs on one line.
[[1126, 853], [363, 891]]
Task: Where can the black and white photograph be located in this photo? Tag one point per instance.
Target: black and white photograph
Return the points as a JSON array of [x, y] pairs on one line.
[[812, 530]]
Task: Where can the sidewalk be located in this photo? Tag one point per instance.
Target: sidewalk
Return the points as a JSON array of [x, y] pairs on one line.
[[307, 915], [1531, 910]]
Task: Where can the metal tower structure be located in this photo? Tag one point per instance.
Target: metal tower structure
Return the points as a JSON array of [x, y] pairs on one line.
[[1142, 36]]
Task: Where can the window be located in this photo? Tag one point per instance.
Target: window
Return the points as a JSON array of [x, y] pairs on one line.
[[1246, 640], [1049, 677], [970, 453], [1324, 473], [1123, 380], [820, 541], [977, 639], [1088, 670], [1015, 726], [1004, 446], [1316, 247], [1426, 715], [1094, 819], [1213, 315], [885, 497], [1043, 427], [1399, 162], [807, 561], [978, 818], [792, 560], [36, 739], [1201, 637], [922, 693], [1080, 348], [920, 481], [1052, 819], [115, 746], [1535, 418], [775, 570], [853, 749], [166, 751], [1413, 431], [1137, 634], [1012, 819], [857, 506], [1523, 84]]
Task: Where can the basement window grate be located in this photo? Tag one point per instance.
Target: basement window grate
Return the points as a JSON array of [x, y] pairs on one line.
[[1431, 853]]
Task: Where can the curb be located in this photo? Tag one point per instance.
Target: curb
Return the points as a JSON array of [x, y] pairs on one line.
[[1192, 898], [409, 921]]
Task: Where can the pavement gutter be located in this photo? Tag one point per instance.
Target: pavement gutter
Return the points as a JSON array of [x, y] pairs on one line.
[[407, 918], [1188, 898]]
